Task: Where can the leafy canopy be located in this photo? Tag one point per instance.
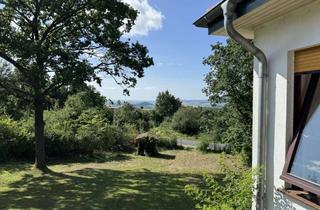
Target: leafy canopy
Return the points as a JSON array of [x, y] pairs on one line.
[[166, 105], [187, 120], [61, 42], [230, 82]]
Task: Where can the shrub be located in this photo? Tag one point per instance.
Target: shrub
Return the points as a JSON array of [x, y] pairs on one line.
[[203, 145], [168, 138], [187, 120], [168, 143], [128, 114], [207, 143], [15, 140], [232, 191]]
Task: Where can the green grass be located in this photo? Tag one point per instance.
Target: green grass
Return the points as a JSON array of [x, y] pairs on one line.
[[123, 181]]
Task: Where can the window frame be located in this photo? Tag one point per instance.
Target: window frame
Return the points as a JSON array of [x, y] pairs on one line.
[[300, 121]]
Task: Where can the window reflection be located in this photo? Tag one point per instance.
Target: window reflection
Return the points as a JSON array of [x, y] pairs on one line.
[[306, 164]]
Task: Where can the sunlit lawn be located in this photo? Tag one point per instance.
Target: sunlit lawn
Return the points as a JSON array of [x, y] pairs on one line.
[[120, 182]]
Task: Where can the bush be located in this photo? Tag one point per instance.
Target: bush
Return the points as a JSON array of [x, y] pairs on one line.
[[170, 143], [187, 120], [232, 191], [168, 138], [207, 143], [65, 135], [15, 140], [88, 133], [95, 133], [128, 114], [203, 145]]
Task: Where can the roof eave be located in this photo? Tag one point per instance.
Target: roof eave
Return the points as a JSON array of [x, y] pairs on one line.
[[213, 19], [211, 14]]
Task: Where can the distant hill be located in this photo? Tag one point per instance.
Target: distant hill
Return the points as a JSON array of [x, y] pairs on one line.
[[151, 103]]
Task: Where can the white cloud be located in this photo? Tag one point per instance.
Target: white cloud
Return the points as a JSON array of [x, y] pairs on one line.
[[148, 18]]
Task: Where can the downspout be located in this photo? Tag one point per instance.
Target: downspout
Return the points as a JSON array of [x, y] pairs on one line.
[[229, 11]]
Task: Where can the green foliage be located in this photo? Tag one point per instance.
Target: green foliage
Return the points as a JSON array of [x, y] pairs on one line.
[[187, 120], [168, 138], [168, 143], [90, 132], [166, 105], [231, 191], [66, 134], [60, 38], [230, 82], [54, 44], [15, 139], [85, 100], [208, 119], [128, 114], [204, 142], [96, 134]]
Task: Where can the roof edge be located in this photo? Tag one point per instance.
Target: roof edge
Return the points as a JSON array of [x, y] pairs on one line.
[[213, 19], [211, 14]]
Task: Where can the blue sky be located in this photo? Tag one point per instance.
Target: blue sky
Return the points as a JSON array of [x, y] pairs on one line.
[[178, 48]]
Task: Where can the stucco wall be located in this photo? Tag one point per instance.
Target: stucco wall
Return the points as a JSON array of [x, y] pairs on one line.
[[278, 39]]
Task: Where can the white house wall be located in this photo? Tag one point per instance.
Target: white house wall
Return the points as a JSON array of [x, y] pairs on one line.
[[278, 39]]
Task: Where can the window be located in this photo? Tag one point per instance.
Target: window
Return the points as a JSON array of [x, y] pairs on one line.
[[302, 168]]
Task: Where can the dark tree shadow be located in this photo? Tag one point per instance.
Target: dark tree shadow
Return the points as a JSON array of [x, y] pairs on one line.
[[165, 156], [96, 158], [100, 189]]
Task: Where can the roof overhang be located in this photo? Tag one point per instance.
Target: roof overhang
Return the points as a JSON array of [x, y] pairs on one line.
[[250, 15]]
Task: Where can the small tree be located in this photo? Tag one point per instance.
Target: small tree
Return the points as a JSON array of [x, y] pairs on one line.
[[51, 44], [166, 105]]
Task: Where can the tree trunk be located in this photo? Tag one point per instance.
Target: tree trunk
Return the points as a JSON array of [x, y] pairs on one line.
[[40, 156]]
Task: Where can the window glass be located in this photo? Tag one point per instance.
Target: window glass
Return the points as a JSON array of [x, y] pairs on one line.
[[306, 164]]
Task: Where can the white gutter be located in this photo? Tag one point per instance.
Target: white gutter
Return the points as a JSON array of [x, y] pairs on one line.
[[229, 8]]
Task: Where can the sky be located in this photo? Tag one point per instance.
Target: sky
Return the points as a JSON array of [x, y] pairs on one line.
[[176, 45]]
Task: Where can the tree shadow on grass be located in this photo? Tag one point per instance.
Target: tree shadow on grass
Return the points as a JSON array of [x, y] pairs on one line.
[[15, 166], [96, 158], [165, 156], [100, 189]]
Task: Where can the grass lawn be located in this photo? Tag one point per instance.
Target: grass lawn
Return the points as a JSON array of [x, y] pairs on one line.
[[121, 181]]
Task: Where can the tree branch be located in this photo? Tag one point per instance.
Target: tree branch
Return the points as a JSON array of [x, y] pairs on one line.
[[15, 90], [55, 24], [13, 62]]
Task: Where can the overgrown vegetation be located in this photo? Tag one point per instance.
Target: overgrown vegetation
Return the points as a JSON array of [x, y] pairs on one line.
[[187, 120], [80, 128], [232, 190]]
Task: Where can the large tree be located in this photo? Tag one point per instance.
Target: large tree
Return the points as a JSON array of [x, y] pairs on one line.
[[230, 83], [55, 43]]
